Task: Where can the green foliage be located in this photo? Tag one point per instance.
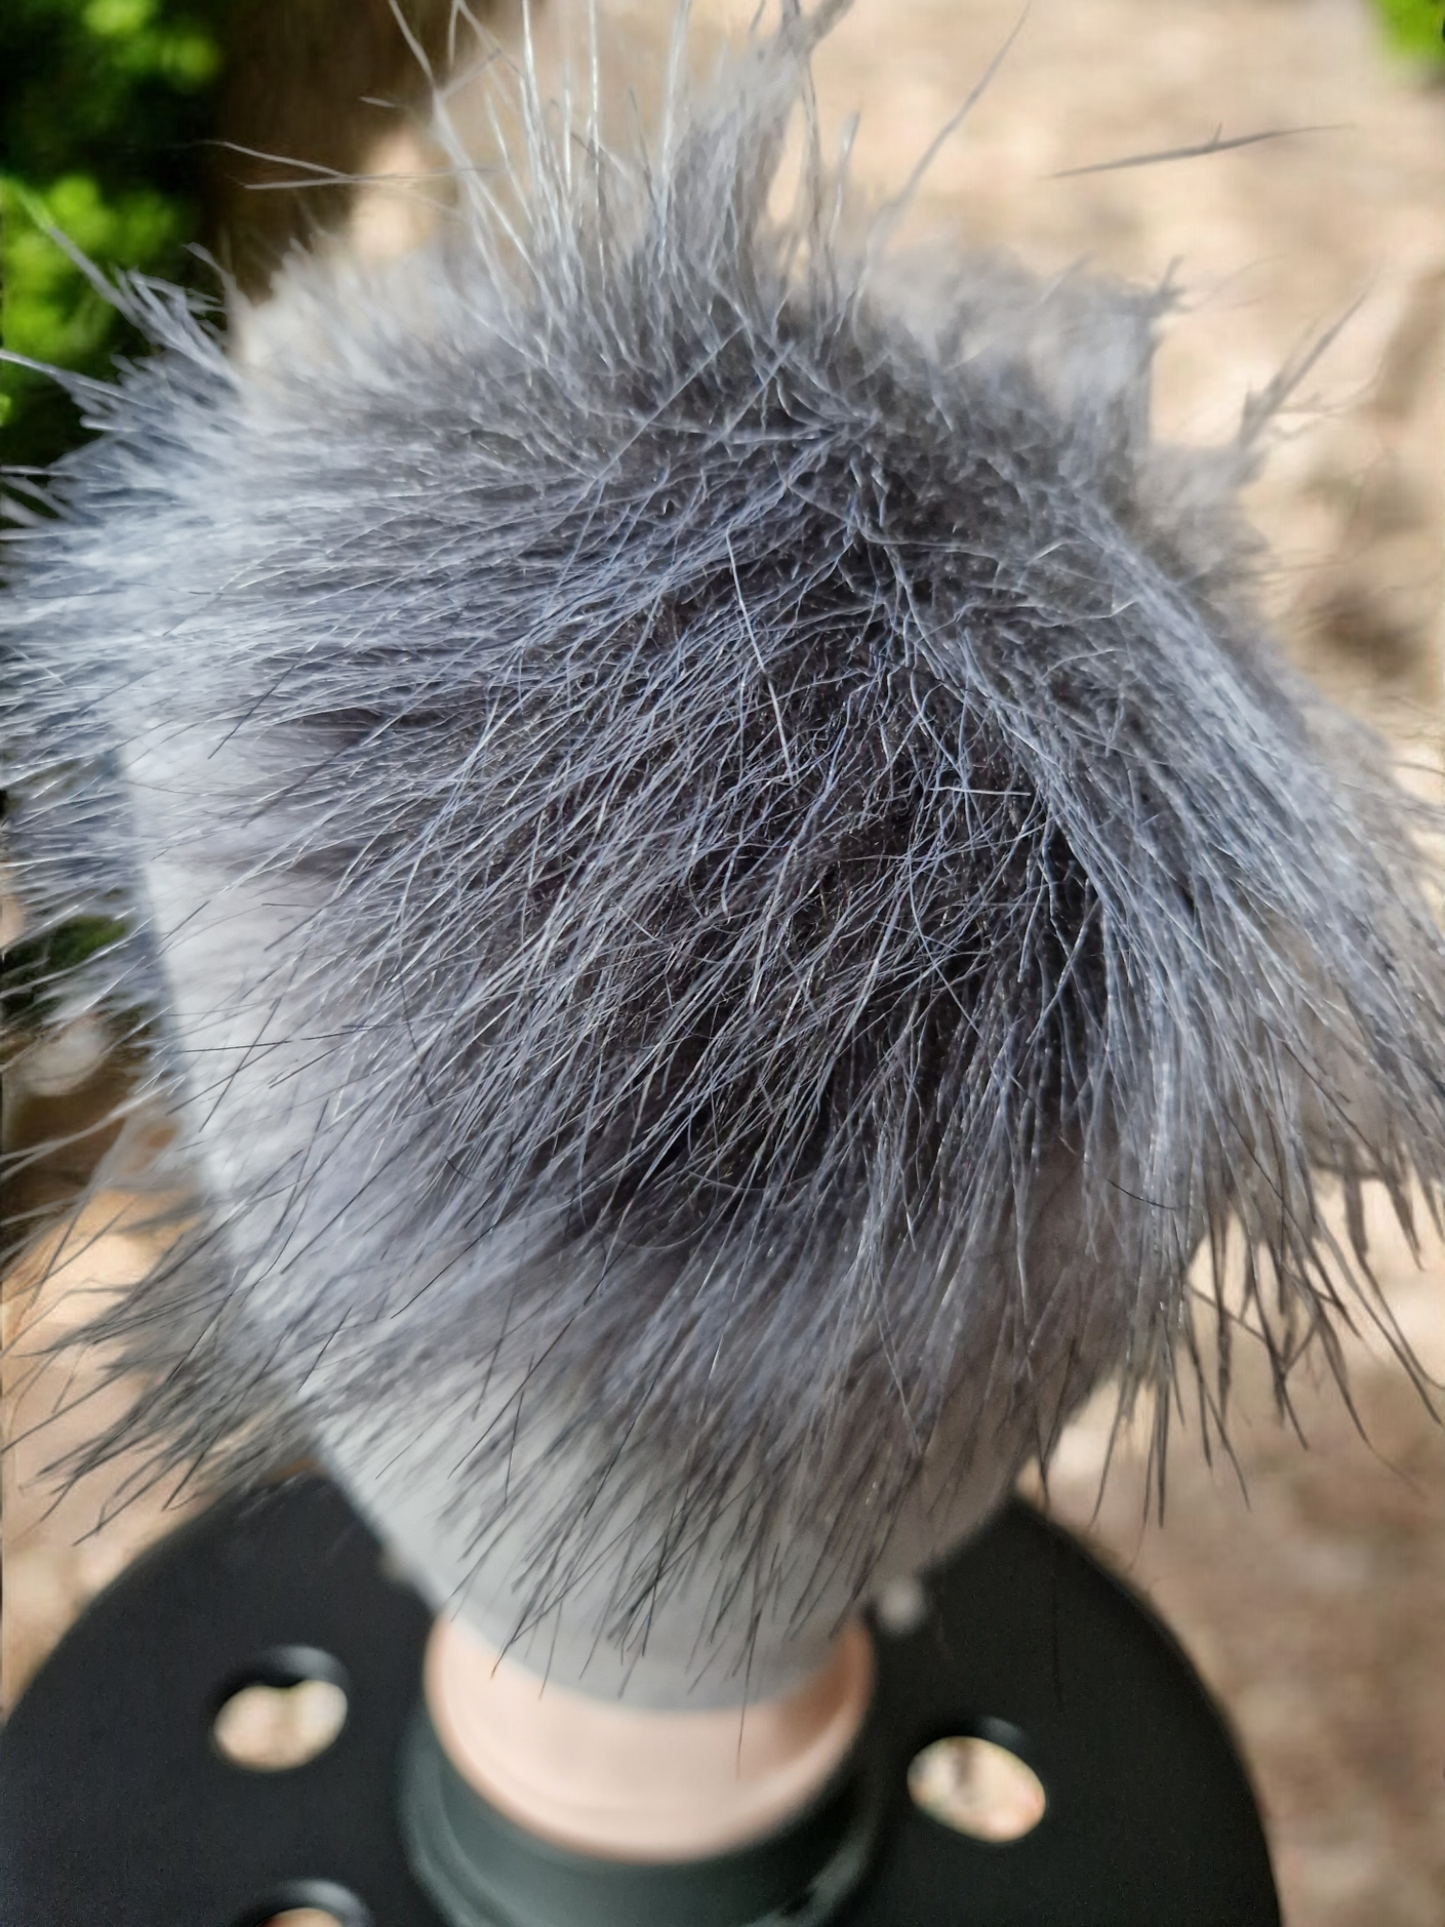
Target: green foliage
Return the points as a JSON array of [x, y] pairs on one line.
[[104, 109], [1416, 27], [104, 106], [30, 971]]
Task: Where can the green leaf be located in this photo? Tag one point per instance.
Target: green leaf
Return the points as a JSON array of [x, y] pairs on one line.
[[1416, 27]]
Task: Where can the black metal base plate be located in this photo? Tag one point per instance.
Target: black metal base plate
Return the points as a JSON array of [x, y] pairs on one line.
[[117, 1807]]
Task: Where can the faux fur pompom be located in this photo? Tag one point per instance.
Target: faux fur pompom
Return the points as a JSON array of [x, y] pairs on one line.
[[726, 884]]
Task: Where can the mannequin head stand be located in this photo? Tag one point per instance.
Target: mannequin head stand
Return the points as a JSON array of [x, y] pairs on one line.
[[1019, 1640]]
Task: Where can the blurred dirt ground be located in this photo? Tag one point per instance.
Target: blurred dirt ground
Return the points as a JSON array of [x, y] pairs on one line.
[[1308, 1584]]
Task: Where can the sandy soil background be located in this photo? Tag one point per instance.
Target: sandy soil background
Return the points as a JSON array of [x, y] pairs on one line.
[[1308, 1584]]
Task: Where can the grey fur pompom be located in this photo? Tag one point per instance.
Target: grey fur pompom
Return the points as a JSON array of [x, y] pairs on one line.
[[725, 884]]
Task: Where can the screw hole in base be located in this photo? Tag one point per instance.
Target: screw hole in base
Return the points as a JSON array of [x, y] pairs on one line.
[[978, 1787]]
